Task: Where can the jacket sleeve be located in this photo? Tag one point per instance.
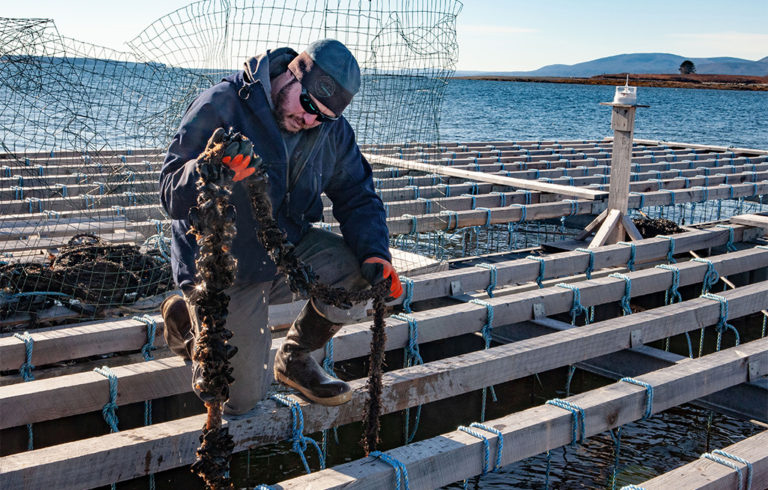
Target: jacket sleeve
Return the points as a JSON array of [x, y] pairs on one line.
[[356, 206], [179, 173]]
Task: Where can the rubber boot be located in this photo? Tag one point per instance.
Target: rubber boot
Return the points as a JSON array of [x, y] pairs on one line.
[[178, 327], [294, 366]]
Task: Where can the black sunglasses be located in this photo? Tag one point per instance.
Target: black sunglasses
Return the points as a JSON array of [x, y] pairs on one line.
[[311, 108]]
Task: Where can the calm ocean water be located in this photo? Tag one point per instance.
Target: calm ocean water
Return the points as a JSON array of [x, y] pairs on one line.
[[477, 110]]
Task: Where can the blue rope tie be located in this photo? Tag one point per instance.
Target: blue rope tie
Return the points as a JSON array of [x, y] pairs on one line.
[[408, 283], [328, 358], [526, 194], [26, 373], [299, 440], [412, 358], [492, 285], [412, 355], [542, 268], [649, 395], [722, 322], [26, 367], [710, 276], [486, 331], [729, 246], [672, 295], [632, 253], [474, 199], [414, 223], [671, 196], [415, 190], [502, 198], [108, 411], [591, 263], [577, 308], [627, 310], [523, 211], [147, 349], [616, 451], [713, 457], [578, 417], [401, 472], [743, 461], [427, 205], [451, 216], [486, 447], [487, 216], [642, 199], [671, 253], [499, 449]]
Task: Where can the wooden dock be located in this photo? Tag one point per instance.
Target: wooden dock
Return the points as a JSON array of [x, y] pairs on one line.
[[527, 301]]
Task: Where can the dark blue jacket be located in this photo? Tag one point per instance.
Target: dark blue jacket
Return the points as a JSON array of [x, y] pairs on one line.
[[327, 157]]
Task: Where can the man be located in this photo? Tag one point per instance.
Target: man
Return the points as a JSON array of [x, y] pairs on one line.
[[289, 107]]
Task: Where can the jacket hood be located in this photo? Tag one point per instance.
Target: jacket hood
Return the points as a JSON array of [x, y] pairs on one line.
[[262, 68]]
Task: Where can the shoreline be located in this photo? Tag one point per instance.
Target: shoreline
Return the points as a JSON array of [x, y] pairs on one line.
[[715, 82]]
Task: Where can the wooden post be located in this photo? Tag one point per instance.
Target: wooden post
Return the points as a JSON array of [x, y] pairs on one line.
[[616, 225]]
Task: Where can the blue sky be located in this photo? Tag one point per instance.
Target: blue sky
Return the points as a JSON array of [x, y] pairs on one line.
[[496, 35]]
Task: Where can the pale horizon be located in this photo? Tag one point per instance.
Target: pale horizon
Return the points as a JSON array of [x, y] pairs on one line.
[[496, 35]]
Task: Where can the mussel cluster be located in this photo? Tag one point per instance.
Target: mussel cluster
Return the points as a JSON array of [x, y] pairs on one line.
[[302, 279], [212, 222]]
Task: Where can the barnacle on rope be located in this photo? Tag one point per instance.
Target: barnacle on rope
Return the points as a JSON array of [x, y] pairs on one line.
[[212, 222]]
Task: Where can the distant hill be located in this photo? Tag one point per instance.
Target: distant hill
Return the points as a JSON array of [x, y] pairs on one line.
[[642, 63]]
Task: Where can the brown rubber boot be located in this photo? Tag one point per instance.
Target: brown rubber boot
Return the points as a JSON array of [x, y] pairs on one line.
[[178, 327], [294, 366]]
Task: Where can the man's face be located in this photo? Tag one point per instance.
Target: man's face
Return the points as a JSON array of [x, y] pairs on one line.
[[289, 113]]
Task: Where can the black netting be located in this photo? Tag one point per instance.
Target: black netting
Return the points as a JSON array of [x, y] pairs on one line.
[[83, 128]]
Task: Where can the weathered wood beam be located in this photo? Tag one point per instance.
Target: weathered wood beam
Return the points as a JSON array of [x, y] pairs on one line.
[[748, 401], [456, 455], [706, 474], [750, 151], [99, 337], [495, 179], [133, 453]]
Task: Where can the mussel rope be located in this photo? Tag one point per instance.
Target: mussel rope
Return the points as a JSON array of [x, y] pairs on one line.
[[212, 221]]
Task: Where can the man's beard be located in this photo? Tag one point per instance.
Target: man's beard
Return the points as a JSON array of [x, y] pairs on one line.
[[279, 111]]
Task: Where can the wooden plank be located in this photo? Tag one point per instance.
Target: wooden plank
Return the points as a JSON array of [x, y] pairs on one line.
[[747, 401], [631, 229], [457, 455], [707, 474], [50, 399], [494, 179], [756, 220], [622, 123], [354, 341], [594, 224], [606, 229], [73, 342], [132, 453], [749, 151]]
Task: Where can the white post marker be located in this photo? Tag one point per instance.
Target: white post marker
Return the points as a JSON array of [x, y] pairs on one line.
[[614, 225]]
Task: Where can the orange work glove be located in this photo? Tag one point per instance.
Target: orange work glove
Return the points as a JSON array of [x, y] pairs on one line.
[[375, 270], [237, 153]]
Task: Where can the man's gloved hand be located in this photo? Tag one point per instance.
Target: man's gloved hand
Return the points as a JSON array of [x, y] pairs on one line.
[[237, 152], [375, 270]]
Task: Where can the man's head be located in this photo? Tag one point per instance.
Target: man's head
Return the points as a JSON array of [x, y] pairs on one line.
[[317, 87]]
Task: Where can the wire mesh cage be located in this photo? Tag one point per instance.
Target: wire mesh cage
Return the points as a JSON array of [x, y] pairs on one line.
[[84, 129]]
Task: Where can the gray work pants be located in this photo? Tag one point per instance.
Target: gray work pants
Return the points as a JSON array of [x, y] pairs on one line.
[[333, 262]]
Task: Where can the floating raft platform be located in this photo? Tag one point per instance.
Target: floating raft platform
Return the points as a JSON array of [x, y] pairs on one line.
[[712, 273]]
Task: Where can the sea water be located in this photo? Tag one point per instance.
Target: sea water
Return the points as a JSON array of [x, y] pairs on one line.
[[479, 110]]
